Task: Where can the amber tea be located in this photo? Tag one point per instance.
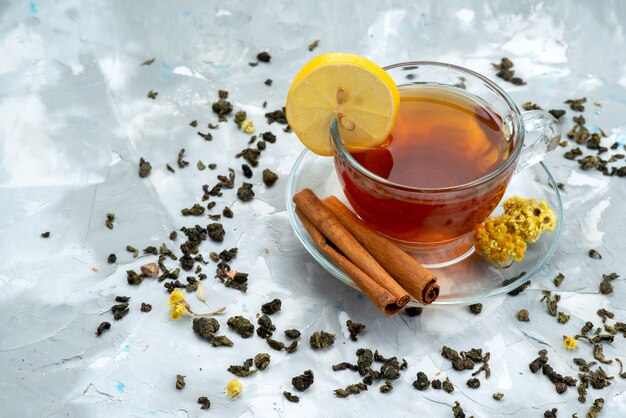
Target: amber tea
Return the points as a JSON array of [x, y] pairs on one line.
[[442, 138]]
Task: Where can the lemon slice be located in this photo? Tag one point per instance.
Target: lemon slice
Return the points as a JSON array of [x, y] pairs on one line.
[[351, 88]]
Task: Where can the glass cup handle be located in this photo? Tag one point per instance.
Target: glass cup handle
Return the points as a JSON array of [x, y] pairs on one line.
[[543, 134]]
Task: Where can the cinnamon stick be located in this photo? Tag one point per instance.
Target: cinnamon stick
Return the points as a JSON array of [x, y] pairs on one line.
[[379, 296], [408, 272], [315, 211]]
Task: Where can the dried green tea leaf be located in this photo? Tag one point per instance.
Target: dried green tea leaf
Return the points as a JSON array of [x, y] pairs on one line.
[[148, 62], [386, 387], [594, 254], [314, 44], [473, 383], [145, 307], [559, 279], [343, 366], [412, 311], [112, 258], [290, 397], [251, 155], [263, 56], [448, 386], [204, 402], [550, 413], [277, 116], [272, 307], [354, 328], [241, 326], [421, 383], [321, 339], [275, 345], [598, 354], [576, 104], [242, 371], [245, 192], [262, 360], [292, 334], [222, 107], [152, 94], [557, 113], [498, 396], [522, 315], [109, 221], [180, 381], [596, 408], [457, 410], [119, 311], [476, 308], [133, 250], [103, 327], [216, 232], [221, 340], [269, 177], [133, 278], [291, 348], [303, 381], [205, 327], [551, 303], [180, 161]]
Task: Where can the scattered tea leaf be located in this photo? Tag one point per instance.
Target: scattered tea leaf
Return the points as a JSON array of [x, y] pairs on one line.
[[241, 326], [204, 402], [263, 56], [421, 383], [272, 307], [594, 254], [321, 339], [144, 168], [103, 327], [262, 360], [412, 311], [476, 308], [290, 397], [180, 382], [269, 177], [522, 315], [354, 328]]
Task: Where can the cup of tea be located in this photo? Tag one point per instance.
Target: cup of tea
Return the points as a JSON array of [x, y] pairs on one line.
[[457, 140]]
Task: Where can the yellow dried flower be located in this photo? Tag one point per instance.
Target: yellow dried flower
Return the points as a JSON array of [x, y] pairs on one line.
[[570, 343], [248, 126], [504, 237], [497, 243], [528, 217], [177, 311], [176, 297], [233, 388]]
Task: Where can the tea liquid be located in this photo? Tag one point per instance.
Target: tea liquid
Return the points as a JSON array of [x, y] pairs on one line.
[[441, 138]]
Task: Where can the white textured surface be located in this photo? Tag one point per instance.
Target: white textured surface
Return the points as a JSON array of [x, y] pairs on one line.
[[74, 120]]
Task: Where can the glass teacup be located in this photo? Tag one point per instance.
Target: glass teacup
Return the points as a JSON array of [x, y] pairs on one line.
[[436, 223]]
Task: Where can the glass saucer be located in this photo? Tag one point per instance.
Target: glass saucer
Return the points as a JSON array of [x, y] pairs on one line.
[[469, 281]]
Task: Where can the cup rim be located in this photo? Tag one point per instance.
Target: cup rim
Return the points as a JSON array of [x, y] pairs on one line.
[[518, 130]]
